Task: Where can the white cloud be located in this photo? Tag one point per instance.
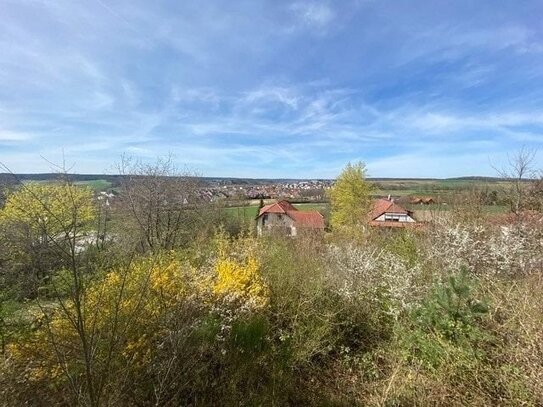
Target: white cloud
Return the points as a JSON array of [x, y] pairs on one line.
[[435, 164], [203, 95], [313, 13], [12, 136], [434, 121], [284, 95]]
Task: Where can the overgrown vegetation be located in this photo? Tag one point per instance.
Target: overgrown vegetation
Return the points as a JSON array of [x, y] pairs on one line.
[[158, 299]]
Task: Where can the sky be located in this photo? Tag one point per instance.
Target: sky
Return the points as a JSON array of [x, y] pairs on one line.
[[271, 88]]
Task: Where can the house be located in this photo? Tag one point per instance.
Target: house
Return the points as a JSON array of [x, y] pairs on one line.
[[387, 213], [284, 219], [425, 200]]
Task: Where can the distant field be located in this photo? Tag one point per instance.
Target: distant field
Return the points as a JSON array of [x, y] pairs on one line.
[[245, 212], [447, 208], [441, 188], [96, 184], [399, 192]]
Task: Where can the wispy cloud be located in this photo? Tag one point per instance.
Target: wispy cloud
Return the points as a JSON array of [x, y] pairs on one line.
[[275, 94], [313, 13], [445, 123], [269, 88], [12, 136]]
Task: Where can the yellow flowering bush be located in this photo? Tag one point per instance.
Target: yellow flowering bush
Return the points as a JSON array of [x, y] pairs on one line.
[[49, 208], [241, 281], [122, 312], [133, 316], [147, 286], [238, 272], [141, 296], [36, 364]]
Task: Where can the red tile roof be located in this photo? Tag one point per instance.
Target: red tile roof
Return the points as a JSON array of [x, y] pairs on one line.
[[307, 219], [382, 206], [277, 207], [424, 200], [303, 219]]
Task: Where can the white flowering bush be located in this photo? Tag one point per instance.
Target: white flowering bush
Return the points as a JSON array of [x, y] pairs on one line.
[[375, 274], [485, 250]]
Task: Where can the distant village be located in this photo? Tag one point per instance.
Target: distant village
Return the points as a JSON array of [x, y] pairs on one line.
[[307, 190], [297, 191], [293, 190]]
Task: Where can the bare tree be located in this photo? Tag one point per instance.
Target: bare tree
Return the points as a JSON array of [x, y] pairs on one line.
[[468, 206], [535, 193], [518, 173], [160, 207]]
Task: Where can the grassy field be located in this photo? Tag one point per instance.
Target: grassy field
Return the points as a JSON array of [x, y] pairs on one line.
[[435, 188], [96, 184], [447, 208]]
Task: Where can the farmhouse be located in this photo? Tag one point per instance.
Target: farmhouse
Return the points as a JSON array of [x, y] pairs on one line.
[[284, 219], [425, 200], [387, 213]]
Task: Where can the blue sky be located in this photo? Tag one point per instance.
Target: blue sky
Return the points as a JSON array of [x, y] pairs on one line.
[[269, 88]]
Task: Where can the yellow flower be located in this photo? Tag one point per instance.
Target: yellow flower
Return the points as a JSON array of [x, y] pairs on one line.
[[241, 281]]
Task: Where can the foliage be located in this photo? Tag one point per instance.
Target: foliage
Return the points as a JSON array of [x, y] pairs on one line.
[[240, 282], [483, 250], [237, 270], [123, 312], [53, 209], [376, 274], [445, 325], [452, 311], [350, 197], [447, 315], [40, 225]]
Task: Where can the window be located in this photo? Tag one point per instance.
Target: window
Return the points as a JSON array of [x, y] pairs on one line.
[[264, 219], [392, 218]]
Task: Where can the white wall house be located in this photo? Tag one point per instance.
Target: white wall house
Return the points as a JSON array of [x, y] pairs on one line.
[[387, 213], [282, 218]]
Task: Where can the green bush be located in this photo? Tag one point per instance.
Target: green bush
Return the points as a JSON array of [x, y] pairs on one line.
[[333, 331], [447, 324]]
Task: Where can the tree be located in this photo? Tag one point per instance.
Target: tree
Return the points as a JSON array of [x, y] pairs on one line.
[[535, 194], [519, 171], [49, 208], [7, 181], [39, 222], [160, 207], [350, 197]]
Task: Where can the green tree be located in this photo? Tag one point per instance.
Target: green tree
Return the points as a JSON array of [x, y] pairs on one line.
[[40, 228], [350, 197], [49, 208]]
